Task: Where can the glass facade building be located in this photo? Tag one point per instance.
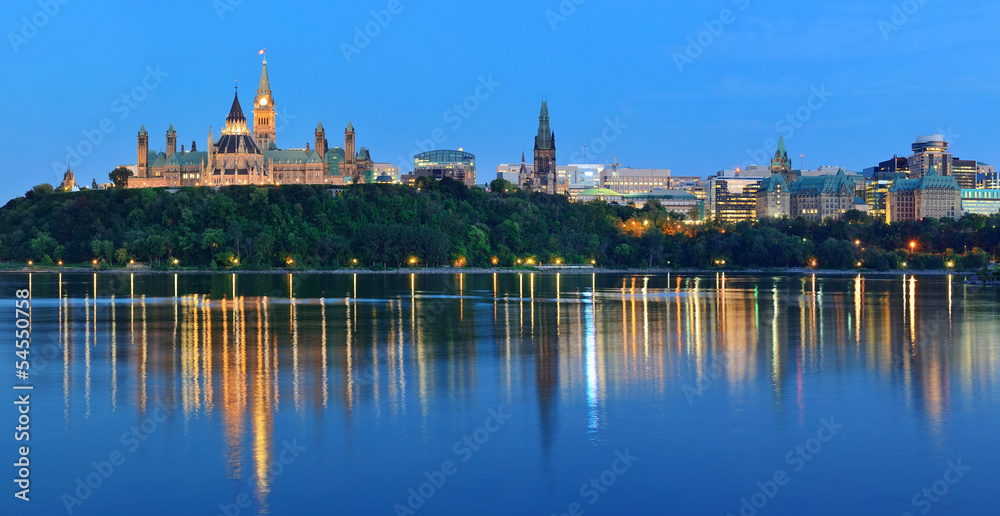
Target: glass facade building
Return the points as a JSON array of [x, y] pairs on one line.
[[458, 165], [981, 201]]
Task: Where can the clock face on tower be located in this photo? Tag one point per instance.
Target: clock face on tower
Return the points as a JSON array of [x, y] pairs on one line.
[[263, 102]]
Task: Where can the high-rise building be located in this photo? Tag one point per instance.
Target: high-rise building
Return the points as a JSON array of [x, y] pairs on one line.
[[930, 151], [877, 197], [890, 170], [987, 176], [733, 199], [965, 172]]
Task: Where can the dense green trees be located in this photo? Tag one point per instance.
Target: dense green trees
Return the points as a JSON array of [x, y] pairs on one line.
[[119, 177], [443, 223]]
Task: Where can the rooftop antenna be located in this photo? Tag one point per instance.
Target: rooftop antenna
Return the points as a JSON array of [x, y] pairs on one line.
[[802, 158]]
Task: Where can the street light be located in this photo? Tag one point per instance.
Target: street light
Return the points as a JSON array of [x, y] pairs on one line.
[[30, 262], [178, 262], [951, 265], [913, 245], [60, 263]]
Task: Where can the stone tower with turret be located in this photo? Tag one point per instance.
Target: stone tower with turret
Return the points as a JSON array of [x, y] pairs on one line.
[[264, 131], [544, 177]]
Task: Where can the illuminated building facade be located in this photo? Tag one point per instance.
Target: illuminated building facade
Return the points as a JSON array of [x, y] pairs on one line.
[[930, 196], [965, 172], [877, 198], [774, 198], [812, 197], [781, 164], [245, 155], [930, 152], [635, 180], [733, 199], [439, 164], [677, 201], [981, 201]]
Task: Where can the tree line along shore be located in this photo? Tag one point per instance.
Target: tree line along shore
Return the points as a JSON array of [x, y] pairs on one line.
[[446, 224]]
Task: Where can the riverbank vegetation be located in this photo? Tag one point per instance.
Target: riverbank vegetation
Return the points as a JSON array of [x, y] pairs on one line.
[[446, 223]]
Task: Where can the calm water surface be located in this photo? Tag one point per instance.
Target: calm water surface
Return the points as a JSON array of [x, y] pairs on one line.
[[509, 394]]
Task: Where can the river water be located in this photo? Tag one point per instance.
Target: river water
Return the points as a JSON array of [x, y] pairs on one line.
[[224, 394]]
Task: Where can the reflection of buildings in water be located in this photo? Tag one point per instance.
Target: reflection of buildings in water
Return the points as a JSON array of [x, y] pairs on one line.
[[588, 338]]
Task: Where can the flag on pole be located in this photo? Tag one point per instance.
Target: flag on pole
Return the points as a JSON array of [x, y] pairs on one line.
[[261, 52]]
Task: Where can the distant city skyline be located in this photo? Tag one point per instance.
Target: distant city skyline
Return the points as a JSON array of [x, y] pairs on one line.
[[693, 88]]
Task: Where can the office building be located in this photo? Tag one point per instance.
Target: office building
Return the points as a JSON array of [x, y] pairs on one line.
[[981, 201], [635, 180], [929, 196], [439, 164], [930, 152]]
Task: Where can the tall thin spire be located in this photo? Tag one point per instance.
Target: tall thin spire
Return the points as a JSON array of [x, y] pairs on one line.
[[544, 140], [265, 84]]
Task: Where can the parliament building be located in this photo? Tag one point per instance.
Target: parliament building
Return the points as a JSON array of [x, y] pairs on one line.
[[250, 156]]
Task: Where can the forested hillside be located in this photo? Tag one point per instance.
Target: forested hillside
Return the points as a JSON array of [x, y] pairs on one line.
[[446, 224]]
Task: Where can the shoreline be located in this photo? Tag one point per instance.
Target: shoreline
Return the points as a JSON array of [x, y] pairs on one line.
[[793, 271]]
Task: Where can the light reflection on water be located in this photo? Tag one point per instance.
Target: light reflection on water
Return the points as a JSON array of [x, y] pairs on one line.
[[614, 358]]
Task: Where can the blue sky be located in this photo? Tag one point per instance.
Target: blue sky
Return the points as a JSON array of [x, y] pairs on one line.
[[858, 79]]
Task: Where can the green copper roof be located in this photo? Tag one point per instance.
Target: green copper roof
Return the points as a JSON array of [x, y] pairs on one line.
[[772, 183], [350, 127], [816, 185], [663, 193], [782, 152], [186, 159], [319, 128], [932, 181], [599, 192], [544, 141], [265, 84], [171, 130], [284, 157], [142, 130]]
